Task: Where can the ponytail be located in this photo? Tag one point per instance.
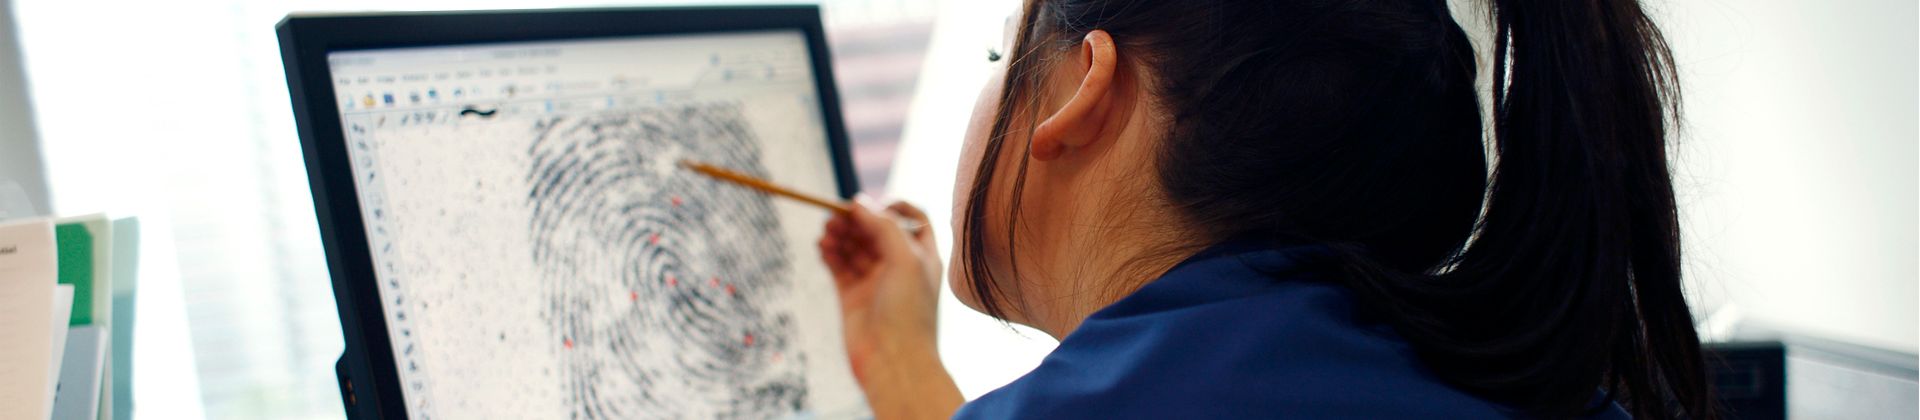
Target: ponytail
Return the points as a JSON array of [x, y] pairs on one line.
[[1542, 285], [1575, 269]]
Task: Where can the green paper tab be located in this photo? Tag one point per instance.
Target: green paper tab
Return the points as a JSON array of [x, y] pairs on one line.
[[75, 254]]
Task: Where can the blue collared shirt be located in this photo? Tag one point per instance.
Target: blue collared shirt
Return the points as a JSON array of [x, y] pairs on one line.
[[1236, 331]]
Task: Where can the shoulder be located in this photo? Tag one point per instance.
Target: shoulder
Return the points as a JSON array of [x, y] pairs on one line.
[[1231, 339]]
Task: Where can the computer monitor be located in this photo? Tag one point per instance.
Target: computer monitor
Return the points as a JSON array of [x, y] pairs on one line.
[[510, 232]]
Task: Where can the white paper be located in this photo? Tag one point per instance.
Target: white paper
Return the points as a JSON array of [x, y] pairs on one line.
[[28, 273], [57, 332], [78, 397]]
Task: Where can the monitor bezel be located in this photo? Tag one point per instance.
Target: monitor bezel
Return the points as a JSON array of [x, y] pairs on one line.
[[369, 376]]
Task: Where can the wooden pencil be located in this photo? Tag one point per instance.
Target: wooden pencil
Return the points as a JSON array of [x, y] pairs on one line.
[[762, 185], [911, 226]]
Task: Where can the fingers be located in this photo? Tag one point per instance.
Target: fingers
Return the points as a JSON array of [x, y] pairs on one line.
[[840, 248], [838, 225], [836, 262], [886, 234], [856, 242]]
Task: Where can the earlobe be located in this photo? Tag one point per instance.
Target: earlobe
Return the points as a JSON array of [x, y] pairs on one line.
[[1069, 127]]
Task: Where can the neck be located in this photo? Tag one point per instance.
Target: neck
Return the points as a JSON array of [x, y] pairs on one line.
[[1106, 253]]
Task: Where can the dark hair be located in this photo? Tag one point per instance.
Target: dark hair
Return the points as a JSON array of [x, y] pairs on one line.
[[1356, 123]]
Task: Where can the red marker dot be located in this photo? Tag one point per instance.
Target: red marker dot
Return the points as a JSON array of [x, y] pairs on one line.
[[569, 343], [633, 296], [653, 239], [672, 281], [715, 281], [730, 290], [749, 339], [676, 201]]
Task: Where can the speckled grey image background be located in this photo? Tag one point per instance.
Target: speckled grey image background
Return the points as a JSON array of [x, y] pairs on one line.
[[662, 287]]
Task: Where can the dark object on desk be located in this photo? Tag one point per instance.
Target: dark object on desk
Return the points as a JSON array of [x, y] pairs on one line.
[[1749, 378], [1770, 375]]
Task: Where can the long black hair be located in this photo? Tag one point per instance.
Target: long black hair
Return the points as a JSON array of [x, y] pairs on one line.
[[1533, 267]]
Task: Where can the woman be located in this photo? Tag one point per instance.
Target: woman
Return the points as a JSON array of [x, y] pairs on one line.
[[1284, 209]]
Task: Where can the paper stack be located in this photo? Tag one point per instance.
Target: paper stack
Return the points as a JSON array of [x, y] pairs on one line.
[[28, 321], [57, 316]]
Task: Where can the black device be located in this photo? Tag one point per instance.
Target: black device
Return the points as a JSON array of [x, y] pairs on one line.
[[1764, 373], [312, 46]]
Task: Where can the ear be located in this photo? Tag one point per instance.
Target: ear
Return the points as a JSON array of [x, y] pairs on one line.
[[1076, 123]]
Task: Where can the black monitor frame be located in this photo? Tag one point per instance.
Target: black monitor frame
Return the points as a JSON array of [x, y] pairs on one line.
[[369, 379]]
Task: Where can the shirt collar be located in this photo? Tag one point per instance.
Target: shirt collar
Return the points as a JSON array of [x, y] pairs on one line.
[[1230, 269]]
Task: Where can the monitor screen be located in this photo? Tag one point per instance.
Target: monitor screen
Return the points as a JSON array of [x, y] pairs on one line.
[[541, 254]]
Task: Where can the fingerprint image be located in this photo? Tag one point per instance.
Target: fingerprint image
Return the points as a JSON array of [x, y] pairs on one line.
[[663, 289]]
